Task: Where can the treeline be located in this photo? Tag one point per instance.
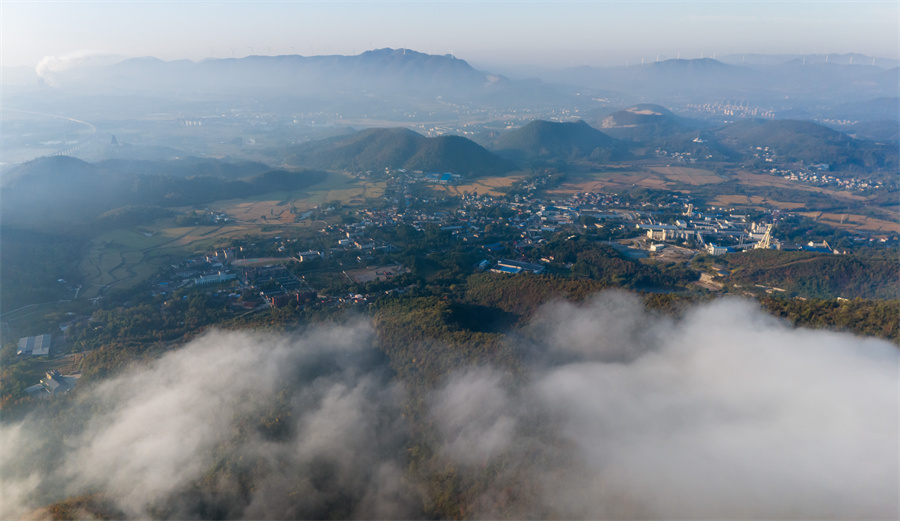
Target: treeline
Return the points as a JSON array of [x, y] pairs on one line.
[[818, 275], [66, 192], [874, 318], [31, 263]]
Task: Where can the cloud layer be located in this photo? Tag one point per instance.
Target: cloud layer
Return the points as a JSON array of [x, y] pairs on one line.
[[725, 413]]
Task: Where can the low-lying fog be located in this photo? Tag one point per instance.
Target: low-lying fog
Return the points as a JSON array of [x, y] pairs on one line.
[[620, 413]]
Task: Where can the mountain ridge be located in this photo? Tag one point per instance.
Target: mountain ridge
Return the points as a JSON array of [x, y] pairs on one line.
[[399, 148]]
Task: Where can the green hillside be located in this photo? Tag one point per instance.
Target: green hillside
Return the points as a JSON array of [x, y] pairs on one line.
[[818, 275], [379, 148], [809, 142], [645, 122], [67, 191], [550, 140]]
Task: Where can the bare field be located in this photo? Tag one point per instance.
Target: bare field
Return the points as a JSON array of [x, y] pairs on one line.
[[276, 206], [260, 212], [119, 258], [493, 186], [597, 181], [122, 259], [754, 201], [853, 222], [376, 273], [771, 180], [691, 176]]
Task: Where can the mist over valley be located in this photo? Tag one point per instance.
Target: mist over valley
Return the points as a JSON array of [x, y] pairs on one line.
[[276, 279]]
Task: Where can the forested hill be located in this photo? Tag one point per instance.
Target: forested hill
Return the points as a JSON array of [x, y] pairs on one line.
[[808, 142], [818, 275], [379, 148], [64, 191], [551, 140], [645, 122]]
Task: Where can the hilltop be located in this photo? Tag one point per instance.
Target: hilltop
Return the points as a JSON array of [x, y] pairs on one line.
[[551, 140], [394, 75], [807, 142], [644, 122], [65, 191], [397, 148]]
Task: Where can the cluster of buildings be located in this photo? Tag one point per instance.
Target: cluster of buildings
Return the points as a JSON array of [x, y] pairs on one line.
[[819, 178], [53, 384], [729, 109]]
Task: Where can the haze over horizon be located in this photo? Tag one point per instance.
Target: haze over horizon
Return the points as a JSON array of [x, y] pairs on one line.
[[487, 34]]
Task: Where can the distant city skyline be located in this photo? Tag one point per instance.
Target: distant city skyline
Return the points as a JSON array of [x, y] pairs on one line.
[[557, 34]]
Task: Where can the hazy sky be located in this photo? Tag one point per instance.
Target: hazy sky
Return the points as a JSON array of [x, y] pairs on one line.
[[541, 33]]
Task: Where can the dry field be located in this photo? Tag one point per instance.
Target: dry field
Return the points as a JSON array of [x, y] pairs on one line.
[[276, 207], [754, 201], [771, 180], [598, 181], [493, 186], [853, 222], [376, 273], [690, 176], [260, 212]]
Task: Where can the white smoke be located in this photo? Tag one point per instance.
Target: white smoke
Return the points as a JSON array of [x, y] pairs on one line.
[[50, 67], [725, 413]]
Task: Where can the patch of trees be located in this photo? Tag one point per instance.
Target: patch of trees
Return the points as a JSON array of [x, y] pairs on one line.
[[818, 275], [31, 262], [876, 318], [602, 263]]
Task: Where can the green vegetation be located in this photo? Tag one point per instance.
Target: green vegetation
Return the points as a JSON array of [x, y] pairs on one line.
[[398, 148], [560, 141], [818, 275], [809, 142]]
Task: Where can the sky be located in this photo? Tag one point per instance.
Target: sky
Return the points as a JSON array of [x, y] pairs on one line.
[[512, 32]]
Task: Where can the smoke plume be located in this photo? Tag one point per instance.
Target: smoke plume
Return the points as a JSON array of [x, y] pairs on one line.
[[50, 67]]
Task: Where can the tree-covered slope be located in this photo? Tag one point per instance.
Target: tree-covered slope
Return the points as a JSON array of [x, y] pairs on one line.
[[551, 140], [379, 148], [809, 142]]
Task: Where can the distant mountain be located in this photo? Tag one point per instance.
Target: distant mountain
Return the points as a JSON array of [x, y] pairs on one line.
[[65, 191], [833, 58], [186, 167], [704, 80], [373, 76], [879, 109], [379, 148], [808, 142], [564, 141], [645, 122], [881, 131]]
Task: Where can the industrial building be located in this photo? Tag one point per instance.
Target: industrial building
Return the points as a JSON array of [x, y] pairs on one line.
[[34, 345], [514, 267]]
